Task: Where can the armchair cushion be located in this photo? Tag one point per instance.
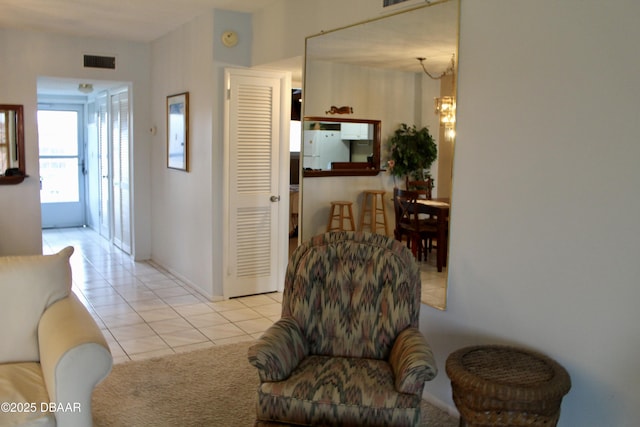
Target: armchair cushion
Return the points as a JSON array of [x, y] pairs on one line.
[[28, 285], [323, 389]]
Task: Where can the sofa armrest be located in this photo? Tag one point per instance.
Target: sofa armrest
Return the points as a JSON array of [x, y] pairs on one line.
[[74, 357], [279, 350], [412, 361]]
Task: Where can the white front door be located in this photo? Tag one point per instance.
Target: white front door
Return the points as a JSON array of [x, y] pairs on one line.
[[256, 192], [62, 165]]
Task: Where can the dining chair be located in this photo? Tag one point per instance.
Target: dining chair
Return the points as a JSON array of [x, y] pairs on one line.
[[410, 223], [425, 185]]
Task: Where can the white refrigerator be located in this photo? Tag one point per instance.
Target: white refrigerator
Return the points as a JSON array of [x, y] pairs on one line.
[[321, 147]]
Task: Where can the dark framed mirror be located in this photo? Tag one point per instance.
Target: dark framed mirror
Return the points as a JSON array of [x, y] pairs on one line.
[[12, 164], [340, 147]]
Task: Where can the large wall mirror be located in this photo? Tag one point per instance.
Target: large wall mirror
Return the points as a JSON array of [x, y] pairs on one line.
[[12, 164], [371, 72]]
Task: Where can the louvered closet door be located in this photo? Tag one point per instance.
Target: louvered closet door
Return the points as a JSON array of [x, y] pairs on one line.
[[120, 170], [254, 137]]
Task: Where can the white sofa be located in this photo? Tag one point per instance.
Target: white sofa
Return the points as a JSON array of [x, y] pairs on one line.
[[52, 353]]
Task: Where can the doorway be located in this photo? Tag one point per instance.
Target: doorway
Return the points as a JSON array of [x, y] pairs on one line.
[[95, 152], [62, 165]]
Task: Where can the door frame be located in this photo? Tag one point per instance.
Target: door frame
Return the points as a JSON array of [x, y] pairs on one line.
[[283, 175]]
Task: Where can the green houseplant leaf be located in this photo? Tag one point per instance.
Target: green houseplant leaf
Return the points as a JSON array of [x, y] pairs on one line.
[[411, 152]]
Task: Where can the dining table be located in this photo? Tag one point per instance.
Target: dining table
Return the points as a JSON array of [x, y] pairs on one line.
[[438, 208]]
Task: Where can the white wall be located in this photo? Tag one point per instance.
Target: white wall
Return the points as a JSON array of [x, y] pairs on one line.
[[25, 56], [545, 237], [187, 206]]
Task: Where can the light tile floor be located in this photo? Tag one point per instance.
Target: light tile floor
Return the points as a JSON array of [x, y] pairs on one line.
[[144, 311]]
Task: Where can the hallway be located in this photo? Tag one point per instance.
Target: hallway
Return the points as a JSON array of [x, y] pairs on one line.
[[144, 311]]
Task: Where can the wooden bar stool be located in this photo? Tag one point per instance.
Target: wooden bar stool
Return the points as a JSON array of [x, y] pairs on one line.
[[341, 211], [374, 210]]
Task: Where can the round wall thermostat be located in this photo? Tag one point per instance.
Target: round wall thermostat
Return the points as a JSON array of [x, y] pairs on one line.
[[229, 38]]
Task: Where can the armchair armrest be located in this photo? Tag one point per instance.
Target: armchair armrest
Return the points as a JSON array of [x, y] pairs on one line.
[[74, 358], [412, 361], [279, 350]]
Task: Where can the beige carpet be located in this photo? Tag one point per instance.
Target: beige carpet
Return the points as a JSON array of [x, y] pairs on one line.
[[210, 387]]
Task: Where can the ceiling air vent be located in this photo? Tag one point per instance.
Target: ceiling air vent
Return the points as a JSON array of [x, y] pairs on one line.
[[95, 61]]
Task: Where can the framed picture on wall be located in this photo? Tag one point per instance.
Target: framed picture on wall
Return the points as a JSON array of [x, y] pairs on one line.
[[390, 6], [178, 131]]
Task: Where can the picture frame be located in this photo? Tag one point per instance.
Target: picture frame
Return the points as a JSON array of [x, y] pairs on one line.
[[391, 6], [178, 131]]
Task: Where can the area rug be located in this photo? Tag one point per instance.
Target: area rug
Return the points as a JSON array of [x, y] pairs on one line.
[[210, 387]]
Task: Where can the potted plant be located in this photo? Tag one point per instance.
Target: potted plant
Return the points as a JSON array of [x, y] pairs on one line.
[[411, 152]]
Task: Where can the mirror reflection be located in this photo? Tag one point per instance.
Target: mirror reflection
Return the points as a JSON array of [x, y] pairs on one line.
[[395, 69], [12, 170], [340, 146]]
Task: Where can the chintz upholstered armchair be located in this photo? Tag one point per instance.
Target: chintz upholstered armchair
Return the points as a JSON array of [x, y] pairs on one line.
[[52, 353], [347, 350]]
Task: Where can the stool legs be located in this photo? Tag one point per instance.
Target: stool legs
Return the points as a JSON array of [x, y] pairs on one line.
[[373, 210], [344, 212]]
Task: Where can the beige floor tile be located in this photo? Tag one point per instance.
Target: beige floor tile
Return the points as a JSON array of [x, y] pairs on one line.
[[194, 309], [170, 325], [208, 319], [255, 300], [143, 345], [130, 332], [219, 332], [230, 304], [114, 310], [171, 292], [100, 301], [158, 314], [185, 337], [182, 300], [254, 325], [241, 314], [148, 304], [269, 310], [120, 359], [116, 320], [137, 294], [160, 284]]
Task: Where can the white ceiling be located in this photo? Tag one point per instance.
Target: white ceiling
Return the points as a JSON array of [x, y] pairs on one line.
[[392, 42], [133, 20]]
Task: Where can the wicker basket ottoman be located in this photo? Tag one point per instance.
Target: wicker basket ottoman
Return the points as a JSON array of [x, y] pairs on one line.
[[506, 386]]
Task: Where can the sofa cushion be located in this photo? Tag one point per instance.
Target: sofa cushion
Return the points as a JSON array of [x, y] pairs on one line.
[[28, 285], [22, 388]]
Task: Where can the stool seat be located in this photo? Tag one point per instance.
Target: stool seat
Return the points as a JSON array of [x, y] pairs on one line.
[[372, 208], [341, 210], [497, 385]]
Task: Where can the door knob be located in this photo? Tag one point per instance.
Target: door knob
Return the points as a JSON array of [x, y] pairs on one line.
[[275, 198]]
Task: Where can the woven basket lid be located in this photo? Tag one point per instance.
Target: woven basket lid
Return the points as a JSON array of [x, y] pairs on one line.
[[507, 373]]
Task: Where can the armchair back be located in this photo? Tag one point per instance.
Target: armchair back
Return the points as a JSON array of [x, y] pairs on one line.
[[352, 293]]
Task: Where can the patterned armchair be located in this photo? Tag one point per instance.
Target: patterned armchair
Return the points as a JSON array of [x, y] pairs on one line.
[[347, 350]]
